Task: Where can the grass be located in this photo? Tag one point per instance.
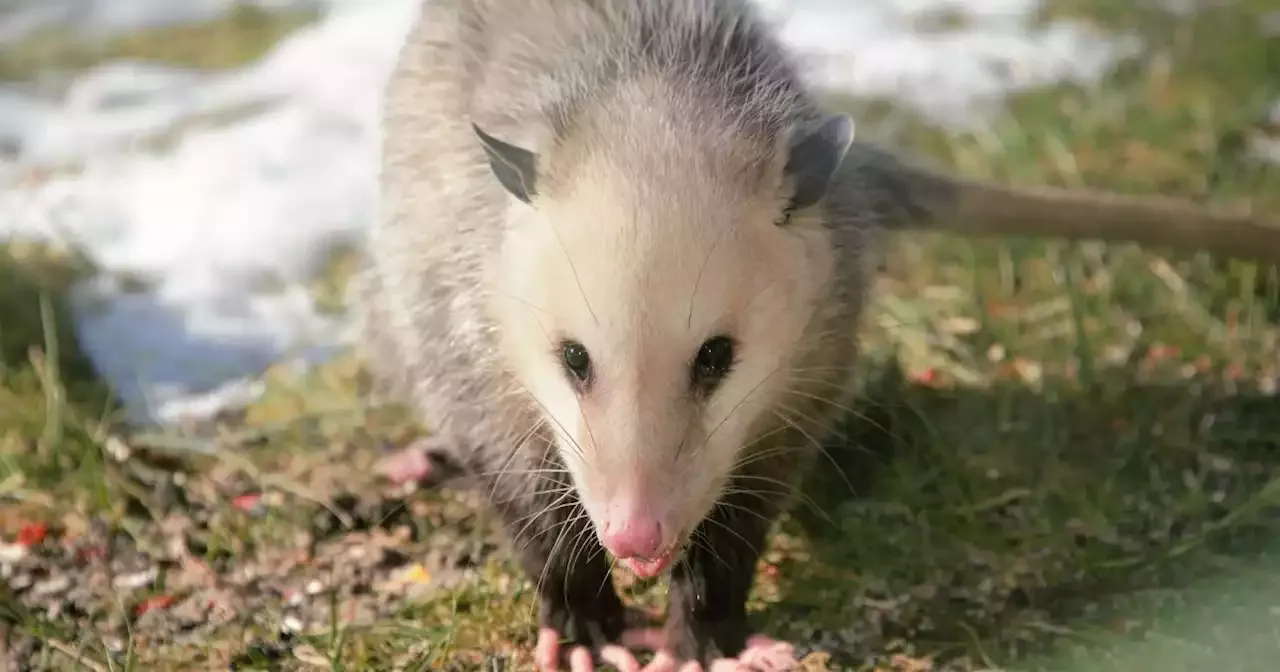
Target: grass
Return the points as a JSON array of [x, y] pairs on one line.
[[1080, 439], [46, 385]]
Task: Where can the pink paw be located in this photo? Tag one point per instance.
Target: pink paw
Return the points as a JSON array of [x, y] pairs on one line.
[[548, 656], [767, 654], [763, 654], [418, 462]]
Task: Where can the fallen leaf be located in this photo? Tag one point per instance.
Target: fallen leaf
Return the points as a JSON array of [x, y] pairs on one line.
[[249, 503], [416, 573], [32, 534], [153, 602], [409, 577]]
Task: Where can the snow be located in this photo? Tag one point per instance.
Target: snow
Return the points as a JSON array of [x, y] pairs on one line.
[[226, 225]]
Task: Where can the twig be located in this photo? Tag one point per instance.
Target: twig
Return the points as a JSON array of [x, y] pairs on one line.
[[66, 650]]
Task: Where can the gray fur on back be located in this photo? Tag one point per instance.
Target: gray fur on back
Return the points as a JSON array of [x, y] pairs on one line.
[[525, 71]]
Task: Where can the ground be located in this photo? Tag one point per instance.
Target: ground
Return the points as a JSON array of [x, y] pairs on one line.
[[1075, 445]]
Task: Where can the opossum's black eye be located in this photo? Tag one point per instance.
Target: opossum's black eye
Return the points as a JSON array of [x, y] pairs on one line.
[[714, 360], [576, 360]]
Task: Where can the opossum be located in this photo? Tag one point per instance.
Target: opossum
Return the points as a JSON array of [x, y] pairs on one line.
[[620, 257]]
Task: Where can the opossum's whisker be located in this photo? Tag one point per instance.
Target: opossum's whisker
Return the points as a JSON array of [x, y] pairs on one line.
[[560, 494], [708, 547], [700, 540], [533, 518], [684, 437], [563, 501], [544, 484], [728, 505], [587, 424], [563, 431], [555, 547], [782, 413], [791, 490], [558, 488], [736, 406], [839, 438], [583, 541], [693, 295], [762, 437], [712, 519], [613, 564], [823, 400], [788, 487], [554, 506], [516, 448], [523, 302], [527, 472], [564, 529], [853, 412], [759, 455], [573, 269], [575, 549]]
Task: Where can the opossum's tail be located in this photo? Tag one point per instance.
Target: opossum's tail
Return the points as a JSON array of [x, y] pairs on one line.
[[987, 209], [922, 198]]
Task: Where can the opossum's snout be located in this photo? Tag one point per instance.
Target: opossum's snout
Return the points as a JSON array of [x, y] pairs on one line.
[[642, 519], [643, 492], [634, 532]]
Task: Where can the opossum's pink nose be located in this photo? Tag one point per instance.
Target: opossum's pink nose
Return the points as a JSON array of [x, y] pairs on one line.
[[632, 534]]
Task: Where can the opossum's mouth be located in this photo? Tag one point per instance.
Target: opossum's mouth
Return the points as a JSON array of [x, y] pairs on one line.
[[648, 568]]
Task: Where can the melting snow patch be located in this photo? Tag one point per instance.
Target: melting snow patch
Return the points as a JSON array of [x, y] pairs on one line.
[[226, 224], [951, 76]]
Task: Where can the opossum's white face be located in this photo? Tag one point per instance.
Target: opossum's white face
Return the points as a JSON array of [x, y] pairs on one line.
[[653, 320]]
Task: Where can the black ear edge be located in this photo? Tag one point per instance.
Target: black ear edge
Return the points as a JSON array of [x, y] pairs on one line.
[[514, 167], [816, 156]]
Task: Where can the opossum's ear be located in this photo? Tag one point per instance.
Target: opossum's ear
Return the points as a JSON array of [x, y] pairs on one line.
[[814, 158], [515, 168]]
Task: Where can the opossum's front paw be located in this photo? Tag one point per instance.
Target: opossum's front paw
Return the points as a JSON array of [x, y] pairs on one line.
[[550, 655], [761, 654], [427, 461], [766, 654], [577, 641]]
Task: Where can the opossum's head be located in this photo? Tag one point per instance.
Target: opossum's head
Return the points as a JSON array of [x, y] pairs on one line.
[[650, 296]]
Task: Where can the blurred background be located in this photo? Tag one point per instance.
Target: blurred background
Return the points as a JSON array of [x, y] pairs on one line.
[[1077, 427]]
